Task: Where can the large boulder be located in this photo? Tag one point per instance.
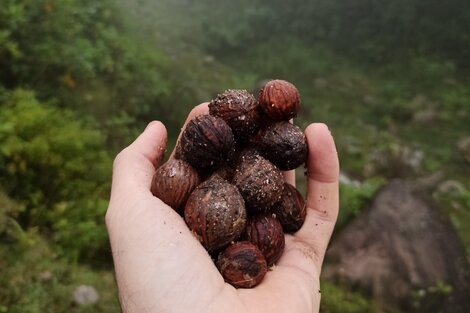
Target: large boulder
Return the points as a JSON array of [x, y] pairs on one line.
[[403, 253]]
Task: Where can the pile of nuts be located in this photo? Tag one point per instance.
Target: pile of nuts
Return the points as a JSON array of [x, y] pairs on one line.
[[226, 179]]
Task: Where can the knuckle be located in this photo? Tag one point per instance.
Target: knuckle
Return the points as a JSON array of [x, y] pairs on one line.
[[120, 158]]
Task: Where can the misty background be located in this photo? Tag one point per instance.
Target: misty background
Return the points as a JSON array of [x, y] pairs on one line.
[[79, 80]]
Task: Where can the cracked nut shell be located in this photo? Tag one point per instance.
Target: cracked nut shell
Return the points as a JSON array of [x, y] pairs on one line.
[[279, 100], [242, 265], [173, 182], [265, 232], [215, 213], [206, 142]]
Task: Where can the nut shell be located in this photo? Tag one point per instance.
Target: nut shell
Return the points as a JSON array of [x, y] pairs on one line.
[[284, 144], [206, 142], [173, 182], [259, 182], [265, 232], [215, 213], [240, 110], [279, 100], [242, 265], [291, 210]]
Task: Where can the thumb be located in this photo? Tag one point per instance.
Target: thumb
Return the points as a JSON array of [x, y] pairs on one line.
[[134, 166]]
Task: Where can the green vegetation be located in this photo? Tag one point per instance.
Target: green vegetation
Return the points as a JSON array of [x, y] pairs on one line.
[[80, 79]]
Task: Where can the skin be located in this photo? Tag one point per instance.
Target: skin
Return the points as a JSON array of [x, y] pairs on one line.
[[161, 267]]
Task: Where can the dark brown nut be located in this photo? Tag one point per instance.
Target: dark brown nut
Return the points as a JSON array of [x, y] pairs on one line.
[[279, 100], [259, 182], [283, 144], [265, 232], [291, 210], [226, 172], [206, 143], [215, 213], [240, 110], [173, 182], [242, 265]]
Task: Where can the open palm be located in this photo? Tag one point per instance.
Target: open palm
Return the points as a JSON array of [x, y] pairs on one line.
[[161, 267]]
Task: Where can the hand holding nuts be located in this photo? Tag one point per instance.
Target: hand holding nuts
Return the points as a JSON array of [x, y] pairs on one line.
[[227, 175]]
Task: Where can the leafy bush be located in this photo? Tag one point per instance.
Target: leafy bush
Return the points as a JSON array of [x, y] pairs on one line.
[[78, 52], [54, 163]]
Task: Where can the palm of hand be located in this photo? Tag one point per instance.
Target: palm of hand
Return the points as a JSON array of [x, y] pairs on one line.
[[161, 267]]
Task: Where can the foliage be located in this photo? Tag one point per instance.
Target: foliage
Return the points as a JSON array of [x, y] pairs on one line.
[[336, 300], [55, 164], [38, 280], [76, 51]]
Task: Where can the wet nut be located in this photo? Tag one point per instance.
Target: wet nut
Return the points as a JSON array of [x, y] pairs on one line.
[[240, 110], [206, 142], [173, 182], [279, 100], [242, 265], [291, 210], [284, 144], [265, 232], [215, 213], [259, 182]]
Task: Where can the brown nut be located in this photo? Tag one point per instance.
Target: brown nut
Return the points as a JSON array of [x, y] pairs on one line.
[[259, 182], [279, 100], [173, 182], [242, 265], [206, 142], [265, 232], [291, 210], [284, 144], [240, 110], [215, 213]]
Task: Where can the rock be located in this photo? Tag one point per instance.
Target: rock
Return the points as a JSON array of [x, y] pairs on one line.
[[85, 295], [426, 116], [369, 100], [404, 253], [45, 276], [208, 59], [419, 101], [396, 161], [320, 83], [344, 179], [450, 187], [429, 182], [463, 145]]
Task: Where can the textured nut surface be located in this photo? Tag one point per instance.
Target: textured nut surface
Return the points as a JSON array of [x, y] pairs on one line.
[[206, 142], [215, 213], [239, 109], [173, 182], [291, 210], [280, 100], [265, 232], [259, 182], [242, 265], [284, 144]]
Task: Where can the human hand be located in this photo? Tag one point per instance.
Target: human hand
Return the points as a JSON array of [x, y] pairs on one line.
[[161, 267]]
